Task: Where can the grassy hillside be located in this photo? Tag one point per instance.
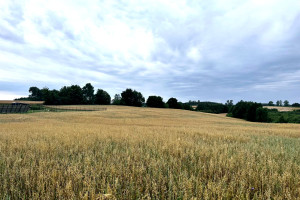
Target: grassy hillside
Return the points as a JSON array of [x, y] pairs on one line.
[[146, 153]]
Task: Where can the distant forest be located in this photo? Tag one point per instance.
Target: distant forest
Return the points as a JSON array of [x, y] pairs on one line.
[[75, 95]]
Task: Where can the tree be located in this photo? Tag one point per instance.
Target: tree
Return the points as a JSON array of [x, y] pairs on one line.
[[132, 98], [279, 103], [71, 95], [286, 103], [212, 107], [262, 114], [172, 102], [102, 97], [282, 119], [247, 110], [116, 100], [186, 106], [229, 104], [52, 97], [270, 103], [296, 104], [155, 101], [36, 94], [180, 105], [239, 110], [251, 111], [88, 94]]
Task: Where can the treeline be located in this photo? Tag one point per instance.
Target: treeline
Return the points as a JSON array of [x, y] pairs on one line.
[[69, 95], [75, 95], [285, 103], [252, 111]]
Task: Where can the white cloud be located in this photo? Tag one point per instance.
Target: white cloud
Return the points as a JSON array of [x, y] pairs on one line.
[[5, 95], [194, 54], [148, 44]]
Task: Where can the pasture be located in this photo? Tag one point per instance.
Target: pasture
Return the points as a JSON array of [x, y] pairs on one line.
[[146, 153]]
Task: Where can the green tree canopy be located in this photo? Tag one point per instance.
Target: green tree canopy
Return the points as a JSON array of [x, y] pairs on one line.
[[88, 94], [117, 99], [102, 97], [172, 102], [71, 95], [286, 103], [212, 107], [36, 93], [52, 97], [296, 104], [155, 101], [132, 98], [250, 111], [279, 103]]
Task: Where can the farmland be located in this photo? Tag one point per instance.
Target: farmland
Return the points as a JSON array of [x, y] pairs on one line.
[[282, 108], [146, 153], [18, 101]]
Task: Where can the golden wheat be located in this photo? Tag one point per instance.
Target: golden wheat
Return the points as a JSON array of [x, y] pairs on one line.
[[19, 101], [146, 153]]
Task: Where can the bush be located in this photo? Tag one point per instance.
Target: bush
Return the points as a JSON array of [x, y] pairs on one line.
[[282, 119]]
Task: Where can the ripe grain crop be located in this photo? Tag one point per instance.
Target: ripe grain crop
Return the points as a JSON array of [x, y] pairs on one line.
[[146, 153], [282, 108], [18, 101]]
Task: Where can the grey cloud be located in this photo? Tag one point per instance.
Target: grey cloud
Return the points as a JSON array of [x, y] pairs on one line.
[[241, 50]]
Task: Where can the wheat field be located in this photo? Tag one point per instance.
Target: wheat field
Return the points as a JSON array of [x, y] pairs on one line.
[[146, 153], [282, 108]]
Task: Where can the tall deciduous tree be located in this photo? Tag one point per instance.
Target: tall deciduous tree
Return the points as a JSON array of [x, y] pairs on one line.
[[172, 102], [117, 99], [71, 95], [155, 101], [36, 94], [52, 97], [286, 103], [132, 98], [102, 97], [279, 103], [88, 94]]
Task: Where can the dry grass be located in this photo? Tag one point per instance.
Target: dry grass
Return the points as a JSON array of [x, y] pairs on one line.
[[146, 153], [17, 101], [282, 108], [77, 107]]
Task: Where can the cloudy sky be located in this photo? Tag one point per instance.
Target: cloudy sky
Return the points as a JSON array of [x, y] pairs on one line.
[[189, 49]]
